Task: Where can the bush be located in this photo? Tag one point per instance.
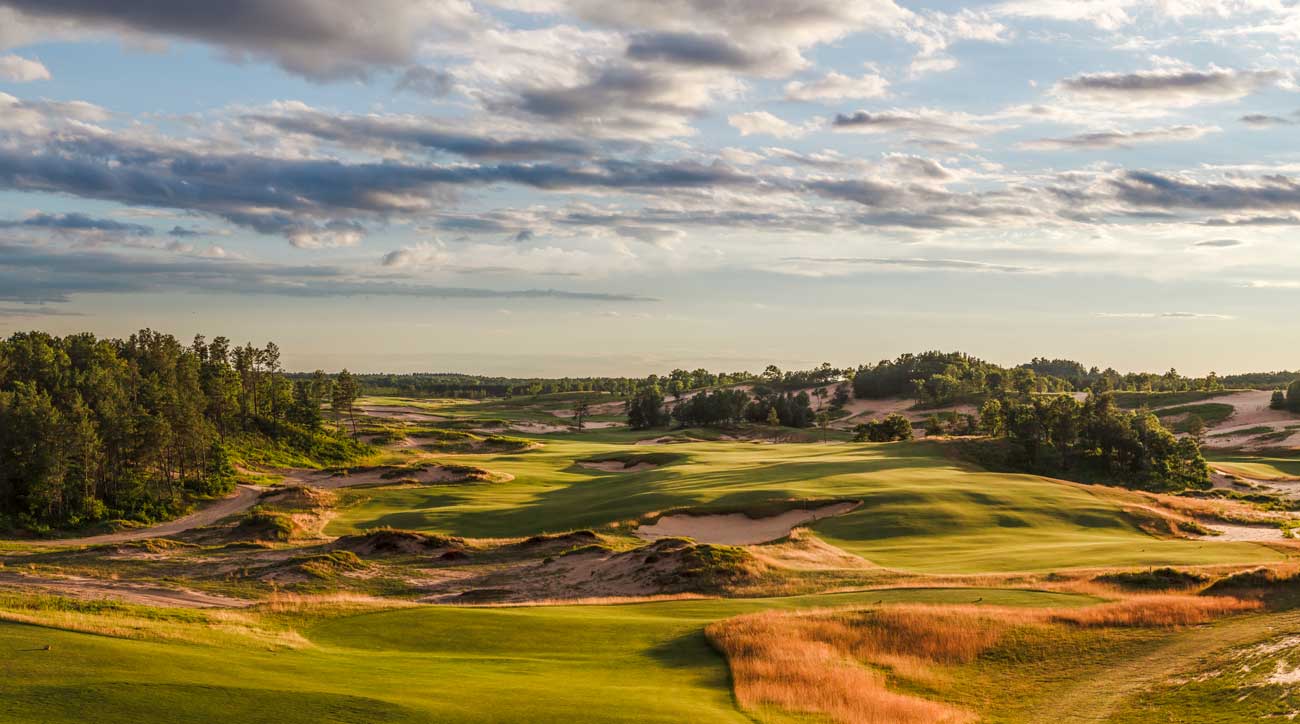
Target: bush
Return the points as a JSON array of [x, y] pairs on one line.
[[893, 427], [1154, 579]]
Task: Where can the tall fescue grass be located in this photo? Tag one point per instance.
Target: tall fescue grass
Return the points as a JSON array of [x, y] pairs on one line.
[[834, 663]]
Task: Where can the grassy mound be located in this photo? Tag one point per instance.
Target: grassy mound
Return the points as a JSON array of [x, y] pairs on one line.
[[1155, 579], [388, 541]]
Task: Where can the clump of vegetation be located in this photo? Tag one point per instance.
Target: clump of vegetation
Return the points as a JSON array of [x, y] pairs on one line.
[[1260, 581], [1155, 579], [682, 564], [328, 565], [260, 524], [390, 541], [631, 460], [892, 428]]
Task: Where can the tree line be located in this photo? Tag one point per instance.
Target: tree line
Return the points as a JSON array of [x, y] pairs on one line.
[[97, 429]]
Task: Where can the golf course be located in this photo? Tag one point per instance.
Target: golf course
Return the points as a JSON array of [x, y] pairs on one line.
[[494, 562]]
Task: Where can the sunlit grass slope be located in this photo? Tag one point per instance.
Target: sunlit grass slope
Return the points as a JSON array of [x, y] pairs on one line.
[[633, 663]]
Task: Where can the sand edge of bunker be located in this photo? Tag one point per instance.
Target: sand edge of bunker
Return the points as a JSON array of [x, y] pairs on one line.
[[741, 528]]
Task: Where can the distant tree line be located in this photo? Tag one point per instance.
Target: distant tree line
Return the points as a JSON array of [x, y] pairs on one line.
[[95, 429], [456, 385]]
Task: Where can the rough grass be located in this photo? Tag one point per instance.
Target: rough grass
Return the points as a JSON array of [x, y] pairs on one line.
[[839, 665]]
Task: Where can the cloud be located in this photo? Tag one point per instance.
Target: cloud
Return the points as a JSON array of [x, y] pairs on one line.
[[76, 222], [36, 310], [711, 50], [762, 123], [1273, 284], [917, 264], [319, 39], [656, 235], [1219, 243], [837, 87], [22, 70], [425, 81], [922, 122], [1169, 87], [44, 275], [384, 132], [1149, 189], [1162, 315], [1119, 139], [1260, 120]]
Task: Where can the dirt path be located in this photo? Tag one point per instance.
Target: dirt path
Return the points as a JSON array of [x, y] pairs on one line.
[[244, 498], [1095, 697]]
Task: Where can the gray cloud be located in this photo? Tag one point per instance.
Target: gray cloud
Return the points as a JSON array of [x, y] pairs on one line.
[[922, 124], [43, 275], [411, 132], [1174, 86], [425, 81], [76, 222], [320, 39], [1260, 120], [1148, 189], [690, 49], [1219, 243], [1119, 139]]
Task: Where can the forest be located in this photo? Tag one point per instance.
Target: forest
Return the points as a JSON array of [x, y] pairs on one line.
[[138, 428]]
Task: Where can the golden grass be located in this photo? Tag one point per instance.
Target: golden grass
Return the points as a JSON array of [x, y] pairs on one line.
[[834, 663]]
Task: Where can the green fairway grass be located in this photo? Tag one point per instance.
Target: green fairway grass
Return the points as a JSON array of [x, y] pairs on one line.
[[922, 511], [1259, 467], [634, 663]]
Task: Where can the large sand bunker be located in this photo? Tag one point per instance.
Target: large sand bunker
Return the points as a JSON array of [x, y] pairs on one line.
[[737, 528]]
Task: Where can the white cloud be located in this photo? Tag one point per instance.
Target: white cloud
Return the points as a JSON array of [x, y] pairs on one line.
[[837, 86], [762, 123], [22, 70]]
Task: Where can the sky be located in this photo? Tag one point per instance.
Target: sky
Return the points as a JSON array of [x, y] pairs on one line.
[[574, 187]]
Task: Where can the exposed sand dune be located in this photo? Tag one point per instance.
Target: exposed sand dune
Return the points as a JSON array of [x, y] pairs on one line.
[[1248, 533], [398, 412], [737, 528]]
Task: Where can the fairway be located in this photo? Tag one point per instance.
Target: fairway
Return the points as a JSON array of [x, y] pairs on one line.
[[922, 511], [632, 663]]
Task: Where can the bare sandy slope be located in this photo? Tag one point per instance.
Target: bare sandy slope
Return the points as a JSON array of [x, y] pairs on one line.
[[244, 498], [1247, 533], [737, 528], [1250, 410], [397, 412], [80, 587]]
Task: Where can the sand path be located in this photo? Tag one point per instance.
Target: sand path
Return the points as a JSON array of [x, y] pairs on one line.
[[244, 498], [737, 528]]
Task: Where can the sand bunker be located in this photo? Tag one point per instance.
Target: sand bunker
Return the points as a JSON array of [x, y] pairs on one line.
[[737, 528], [616, 466], [395, 412], [1247, 533]]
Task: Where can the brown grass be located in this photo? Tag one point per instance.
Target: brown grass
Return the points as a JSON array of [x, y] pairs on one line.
[[837, 663]]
